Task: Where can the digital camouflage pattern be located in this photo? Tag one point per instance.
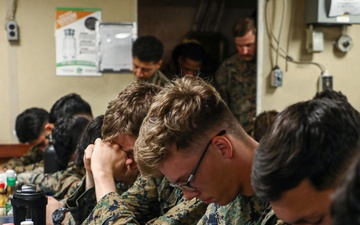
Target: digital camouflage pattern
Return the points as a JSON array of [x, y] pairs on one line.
[[27, 162], [157, 78], [59, 185], [82, 202], [270, 218], [235, 80], [242, 211], [148, 201]]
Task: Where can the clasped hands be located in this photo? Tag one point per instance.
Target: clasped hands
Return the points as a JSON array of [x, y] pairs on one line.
[[106, 159]]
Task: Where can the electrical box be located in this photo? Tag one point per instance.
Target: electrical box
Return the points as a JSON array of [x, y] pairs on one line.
[[276, 78], [12, 31], [314, 40], [324, 12]]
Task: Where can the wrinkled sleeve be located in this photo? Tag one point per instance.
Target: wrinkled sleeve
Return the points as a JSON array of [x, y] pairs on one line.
[[27, 162], [27, 176], [209, 215], [149, 201], [59, 184], [69, 181], [71, 185], [269, 218], [186, 212], [221, 80], [81, 204], [140, 202]]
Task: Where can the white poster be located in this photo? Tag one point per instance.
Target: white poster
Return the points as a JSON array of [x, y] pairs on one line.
[[76, 45], [115, 43], [342, 7]]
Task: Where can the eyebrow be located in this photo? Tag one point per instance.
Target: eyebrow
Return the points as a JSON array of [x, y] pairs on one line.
[[141, 67], [122, 147], [182, 178]]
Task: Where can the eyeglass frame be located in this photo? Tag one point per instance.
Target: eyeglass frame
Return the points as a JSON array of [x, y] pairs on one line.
[[186, 186], [197, 70]]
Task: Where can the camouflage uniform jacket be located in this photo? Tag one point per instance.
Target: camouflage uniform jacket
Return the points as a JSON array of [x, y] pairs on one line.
[[60, 184], [157, 78], [241, 211], [148, 201], [269, 218], [27, 162], [235, 80]]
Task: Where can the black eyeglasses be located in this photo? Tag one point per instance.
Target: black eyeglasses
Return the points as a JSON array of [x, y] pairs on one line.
[[187, 186]]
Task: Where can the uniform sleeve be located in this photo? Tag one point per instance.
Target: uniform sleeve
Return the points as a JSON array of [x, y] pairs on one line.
[[148, 201], [137, 205], [221, 80], [27, 176], [59, 184], [71, 184], [81, 204], [269, 218], [186, 212], [110, 210], [67, 182], [27, 162], [209, 217]]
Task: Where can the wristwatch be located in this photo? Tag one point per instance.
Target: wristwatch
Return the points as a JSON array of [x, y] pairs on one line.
[[59, 215]]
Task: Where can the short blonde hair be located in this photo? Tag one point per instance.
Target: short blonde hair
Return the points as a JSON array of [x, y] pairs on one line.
[[183, 114], [125, 114]]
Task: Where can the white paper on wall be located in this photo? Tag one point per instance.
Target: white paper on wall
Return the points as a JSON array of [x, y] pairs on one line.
[[344, 7], [115, 43], [76, 47]]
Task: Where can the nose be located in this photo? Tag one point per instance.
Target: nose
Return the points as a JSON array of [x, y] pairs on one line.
[[137, 72], [190, 194], [244, 50], [131, 162]]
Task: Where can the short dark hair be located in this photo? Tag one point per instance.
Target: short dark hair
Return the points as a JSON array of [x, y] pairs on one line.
[[243, 26], [331, 94], [69, 105], [263, 122], [66, 135], [148, 49], [345, 208], [314, 140], [91, 132], [30, 124], [192, 50]]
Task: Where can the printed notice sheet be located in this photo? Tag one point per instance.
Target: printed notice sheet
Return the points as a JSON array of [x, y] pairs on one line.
[[76, 45], [344, 7]]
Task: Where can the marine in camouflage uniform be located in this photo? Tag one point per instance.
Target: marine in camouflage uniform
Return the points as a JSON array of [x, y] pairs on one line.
[[60, 184], [157, 78], [27, 162], [149, 200], [235, 80], [243, 210]]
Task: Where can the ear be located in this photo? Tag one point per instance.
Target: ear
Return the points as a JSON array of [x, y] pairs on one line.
[[158, 64], [49, 126], [224, 146]]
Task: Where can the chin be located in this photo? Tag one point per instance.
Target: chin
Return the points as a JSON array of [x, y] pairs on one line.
[[248, 58]]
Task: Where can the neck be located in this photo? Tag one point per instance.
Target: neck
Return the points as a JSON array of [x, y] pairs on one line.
[[245, 157]]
